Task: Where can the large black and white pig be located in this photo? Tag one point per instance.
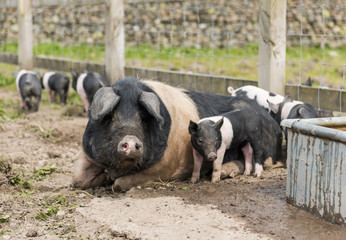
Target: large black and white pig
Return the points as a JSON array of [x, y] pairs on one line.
[[56, 84], [137, 133], [252, 131], [86, 85], [28, 87]]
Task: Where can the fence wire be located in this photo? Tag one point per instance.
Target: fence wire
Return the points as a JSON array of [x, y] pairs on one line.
[[213, 37], [320, 31]]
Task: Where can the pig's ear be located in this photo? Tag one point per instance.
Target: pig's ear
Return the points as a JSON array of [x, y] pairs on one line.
[[38, 74], [218, 124], [73, 74], [303, 111], [103, 103], [273, 107], [288, 98], [152, 104], [193, 127]]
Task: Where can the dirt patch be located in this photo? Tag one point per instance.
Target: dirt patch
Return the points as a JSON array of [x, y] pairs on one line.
[[37, 202]]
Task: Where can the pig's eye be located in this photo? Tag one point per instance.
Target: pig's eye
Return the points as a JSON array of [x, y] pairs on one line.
[[200, 141]]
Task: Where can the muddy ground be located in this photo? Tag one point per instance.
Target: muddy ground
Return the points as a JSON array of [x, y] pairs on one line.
[[37, 202]]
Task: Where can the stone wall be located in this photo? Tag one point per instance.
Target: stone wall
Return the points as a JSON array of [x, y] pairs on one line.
[[214, 23]]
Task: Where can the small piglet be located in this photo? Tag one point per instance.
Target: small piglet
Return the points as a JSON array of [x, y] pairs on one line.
[[254, 132], [86, 85], [56, 83], [258, 94], [28, 87], [289, 109]]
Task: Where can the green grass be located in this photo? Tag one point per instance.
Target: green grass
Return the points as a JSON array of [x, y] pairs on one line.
[[235, 62], [52, 204], [44, 172], [9, 110]]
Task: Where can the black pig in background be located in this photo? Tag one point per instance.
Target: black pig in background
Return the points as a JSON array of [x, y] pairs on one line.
[[57, 84], [29, 88], [86, 85]]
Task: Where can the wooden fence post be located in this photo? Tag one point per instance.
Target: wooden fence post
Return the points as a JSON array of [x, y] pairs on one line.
[[115, 40], [25, 35], [272, 45]]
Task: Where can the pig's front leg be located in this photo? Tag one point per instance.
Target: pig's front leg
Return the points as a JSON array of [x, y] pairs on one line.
[[197, 164], [88, 174], [49, 93], [37, 102], [218, 163], [258, 170], [247, 152], [258, 162], [55, 97]]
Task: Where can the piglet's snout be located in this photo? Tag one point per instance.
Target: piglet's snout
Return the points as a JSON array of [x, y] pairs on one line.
[[212, 156], [130, 147]]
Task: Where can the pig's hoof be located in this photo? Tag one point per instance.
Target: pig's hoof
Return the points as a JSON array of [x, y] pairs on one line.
[[247, 173], [258, 170], [215, 179], [120, 186], [194, 180]]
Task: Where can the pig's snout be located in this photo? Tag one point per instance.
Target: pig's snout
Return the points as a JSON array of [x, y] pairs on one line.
[[212, 156], [130, 147]]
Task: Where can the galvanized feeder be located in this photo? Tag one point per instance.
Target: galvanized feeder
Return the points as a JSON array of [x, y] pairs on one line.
[[316, 166]]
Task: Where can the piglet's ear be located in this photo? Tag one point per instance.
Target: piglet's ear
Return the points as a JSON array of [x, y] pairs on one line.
[[273, 107], [218, 124], [152, 104], [288, 98], [303, 111], [193, 127], [103, 103]]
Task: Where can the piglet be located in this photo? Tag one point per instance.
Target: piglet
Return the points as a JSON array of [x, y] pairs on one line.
[[86, 85], [56, 83], [258, 94], [28, 87], [289, 109], [254, 132]]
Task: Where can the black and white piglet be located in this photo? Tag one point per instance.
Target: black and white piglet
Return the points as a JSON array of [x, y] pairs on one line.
[[28, 87], [56, 84], [258, 94], [272, 103], [252, 131], [289, 109], [86, 85]]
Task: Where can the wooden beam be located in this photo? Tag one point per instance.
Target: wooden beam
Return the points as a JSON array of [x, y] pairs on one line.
[[272, 46], [25, 35], [115, 40]]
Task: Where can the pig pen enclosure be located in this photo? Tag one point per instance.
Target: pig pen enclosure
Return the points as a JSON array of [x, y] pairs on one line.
[[201, 45]]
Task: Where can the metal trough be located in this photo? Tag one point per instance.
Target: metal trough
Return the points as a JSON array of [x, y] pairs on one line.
[[316, 166]]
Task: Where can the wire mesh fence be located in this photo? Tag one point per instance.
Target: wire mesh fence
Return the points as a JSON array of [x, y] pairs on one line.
[[213, 38], [320, 32], [194, 36]]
